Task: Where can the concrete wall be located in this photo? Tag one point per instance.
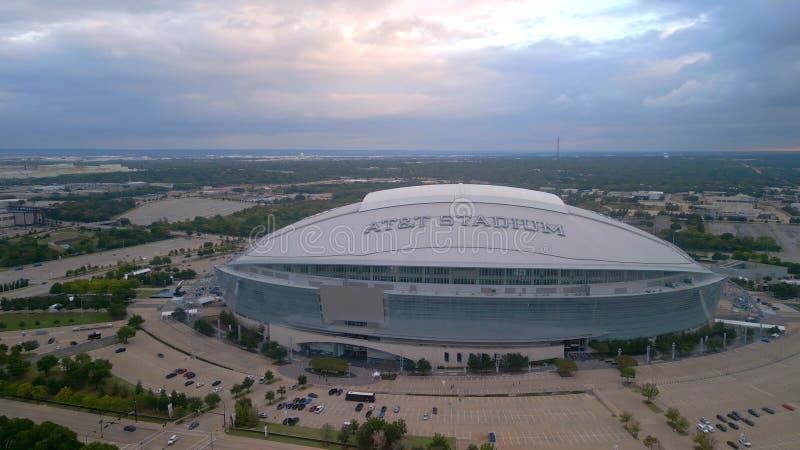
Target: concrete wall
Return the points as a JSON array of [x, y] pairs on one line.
[[434, 353]]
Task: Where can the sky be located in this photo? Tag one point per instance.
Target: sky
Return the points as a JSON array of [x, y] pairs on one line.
[[425, 75]]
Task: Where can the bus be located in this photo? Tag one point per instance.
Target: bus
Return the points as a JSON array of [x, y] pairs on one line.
[[364, 397]]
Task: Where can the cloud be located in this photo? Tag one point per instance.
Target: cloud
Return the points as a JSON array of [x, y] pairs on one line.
[[613, 75]]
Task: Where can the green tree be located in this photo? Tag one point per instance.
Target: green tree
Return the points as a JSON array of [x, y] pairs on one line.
[[46, 363], [628, 373], [99, 446], [650, 391], [180, 315], [635, 427], [704, 441], [566, 367], [203, 327], [135, 321], [651, 442], [423, 366], [117, 310], [302, 380], [714, 343], [99, 370], [682, 425], [626, 361], [438, 442], [124, 333], [625, 417], [269, 376], [212, 400], [269, 396]]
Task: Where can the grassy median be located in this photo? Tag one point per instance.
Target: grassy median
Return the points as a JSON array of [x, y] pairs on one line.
[[33, 320]]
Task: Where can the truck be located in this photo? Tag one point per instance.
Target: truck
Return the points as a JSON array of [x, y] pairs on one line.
[[94, 336]]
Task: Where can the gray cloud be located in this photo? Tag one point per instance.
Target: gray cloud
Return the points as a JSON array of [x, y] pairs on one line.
[[380, 75]]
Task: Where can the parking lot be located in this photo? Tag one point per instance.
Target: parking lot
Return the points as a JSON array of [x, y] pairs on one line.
[[177, 209], [572, 421]]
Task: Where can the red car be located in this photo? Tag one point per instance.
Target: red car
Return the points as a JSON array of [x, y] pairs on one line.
[[171, 375]]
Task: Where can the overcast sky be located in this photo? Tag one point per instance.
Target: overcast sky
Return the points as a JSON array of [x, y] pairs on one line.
[[372, 74]]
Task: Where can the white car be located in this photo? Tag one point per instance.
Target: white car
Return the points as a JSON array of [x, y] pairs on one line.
[[199, 385], [743, 440], [319, 409], [371, 406], [172, 439], [705, 421], [705, 428], [217, 389]]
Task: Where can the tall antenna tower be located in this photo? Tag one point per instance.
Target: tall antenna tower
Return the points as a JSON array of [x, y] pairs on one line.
[[558, 147]]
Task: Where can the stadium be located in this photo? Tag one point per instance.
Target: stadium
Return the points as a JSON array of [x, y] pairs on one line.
[[443, 271]]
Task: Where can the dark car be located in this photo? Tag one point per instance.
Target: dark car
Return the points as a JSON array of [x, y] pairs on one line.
[[216, 383], [732, 444], [339, 392], [733, 426], [383, 409], [721, 418], [768, 410], [301, 406], [736, 415], [179, 370], [73, 343], [332, 391], [189, 375], [748, 421], [313, 395], [188, 383], [369, 413], [51, 340], [171, 375], [160, 355], [194, 425], [281, 405], [753, 412], [120, 350], [359, 407], [129, 428], [722, 427], [291, 421]]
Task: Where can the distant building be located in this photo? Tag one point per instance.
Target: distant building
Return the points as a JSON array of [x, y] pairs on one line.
[[739, 205]]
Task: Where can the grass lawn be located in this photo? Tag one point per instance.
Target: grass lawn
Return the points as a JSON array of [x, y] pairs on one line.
[[795, 306], [48, 319], [146, 292], [272, 437], [316, 433]]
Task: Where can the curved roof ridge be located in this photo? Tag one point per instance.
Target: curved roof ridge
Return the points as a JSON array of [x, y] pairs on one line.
[[450, 193]]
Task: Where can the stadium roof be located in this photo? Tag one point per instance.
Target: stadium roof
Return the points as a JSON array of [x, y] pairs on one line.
[[467, 226]]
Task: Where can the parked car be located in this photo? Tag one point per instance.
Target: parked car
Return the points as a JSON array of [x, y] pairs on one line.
[[732, 444], [339, 391], [194, 425], [768, 410], [359, 407], [705, 421], [733, 426], [120, 350], [262, 415], [281, 405], [216, 383], [368, 414], [721, 418], [313, 395], [722, 427], [383, 409], [172, 439], [748, 421], [704, 428], [199, 385], [129, 428], [188, 383], [171, 375], [51, 340], [332, 391], [160, 355], [743, 440], [736, 415], [492, 437], [179, 370], [217, 390], [753, 412], [73, 343], [189, 375]]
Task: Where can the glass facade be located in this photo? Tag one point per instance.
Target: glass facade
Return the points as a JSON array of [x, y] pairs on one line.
[[466, 275], [487, 319]]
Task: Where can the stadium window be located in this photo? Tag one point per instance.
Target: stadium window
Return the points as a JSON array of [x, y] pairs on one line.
[[458, 357], [446, 356]]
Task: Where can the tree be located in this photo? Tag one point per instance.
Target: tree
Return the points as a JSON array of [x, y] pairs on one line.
[[682, 424], [514, 361], [99, 370], [99, 446], [302, 380], [117, 310], [344, 434], [566, 367], [628, 373], [625, 417], [438, 442], [635, 427], [46, 363], [269, 396], [125, 333], [650, 391], [269, 376], [282, 390], [714, 343], [203, 327], [626, 361], [651, 442], [180, 315], [672, 415], [135, 321], [409, 365], [704, 441], [390, 366], [212, 399], [423, 366]]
